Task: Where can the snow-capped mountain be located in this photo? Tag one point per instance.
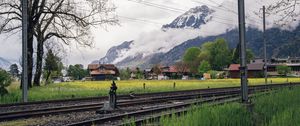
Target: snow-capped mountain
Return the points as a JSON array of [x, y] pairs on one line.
[[146, 48], [196, 26], [4, 64], [193, 18]]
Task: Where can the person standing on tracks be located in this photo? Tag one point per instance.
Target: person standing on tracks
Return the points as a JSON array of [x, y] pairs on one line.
[[113, 95]]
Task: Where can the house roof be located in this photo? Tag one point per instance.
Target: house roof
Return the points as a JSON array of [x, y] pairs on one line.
[[254, 66], [234, 67], [97, 66], [100, 72], [172, 69]]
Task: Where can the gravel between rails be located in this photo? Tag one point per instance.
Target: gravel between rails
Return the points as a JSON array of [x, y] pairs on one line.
[[45, 105], [67, 118]]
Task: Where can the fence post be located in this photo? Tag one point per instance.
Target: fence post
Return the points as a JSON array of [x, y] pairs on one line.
[[174, 85]]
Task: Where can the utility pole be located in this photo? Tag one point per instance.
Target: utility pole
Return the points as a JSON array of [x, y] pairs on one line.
[[265, 46], [24, 50], [243, 63]]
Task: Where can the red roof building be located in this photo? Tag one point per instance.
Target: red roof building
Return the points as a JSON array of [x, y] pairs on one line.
[[103, 71], [254, 70]]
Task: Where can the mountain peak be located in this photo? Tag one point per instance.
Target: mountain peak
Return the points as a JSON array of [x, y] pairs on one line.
[[193, 18]]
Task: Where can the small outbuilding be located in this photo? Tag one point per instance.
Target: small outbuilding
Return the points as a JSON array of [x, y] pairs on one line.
[[255, 70]]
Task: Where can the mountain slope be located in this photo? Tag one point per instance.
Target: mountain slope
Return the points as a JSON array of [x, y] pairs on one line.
[[132, 54], [281, 43], [165, 50], [114, 52]]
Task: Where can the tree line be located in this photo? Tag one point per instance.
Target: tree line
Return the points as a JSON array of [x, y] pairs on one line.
[[214, 56]]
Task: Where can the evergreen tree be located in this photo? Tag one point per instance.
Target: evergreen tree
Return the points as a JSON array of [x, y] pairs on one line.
[[5, 80], [52, 64], [14, 70]]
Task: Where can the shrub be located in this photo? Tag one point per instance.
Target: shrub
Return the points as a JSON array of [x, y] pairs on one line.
[[5, 80]]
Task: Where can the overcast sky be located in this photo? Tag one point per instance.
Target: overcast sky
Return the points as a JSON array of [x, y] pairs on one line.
[[113, 35]]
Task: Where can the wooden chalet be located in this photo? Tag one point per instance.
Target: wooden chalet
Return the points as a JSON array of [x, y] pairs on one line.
[[172, 72], [103, 71], [255, 70]]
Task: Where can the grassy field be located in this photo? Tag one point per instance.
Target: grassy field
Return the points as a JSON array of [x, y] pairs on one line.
[[100, 88], [275, 109]]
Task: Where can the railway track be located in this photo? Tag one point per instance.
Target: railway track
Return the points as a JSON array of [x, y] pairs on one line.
[[118, 119], [156, 113], [102, 98], [181, 95], [95, 106]]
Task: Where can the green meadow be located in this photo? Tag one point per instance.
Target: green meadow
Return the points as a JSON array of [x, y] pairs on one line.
[[79, 89], [275, 109]]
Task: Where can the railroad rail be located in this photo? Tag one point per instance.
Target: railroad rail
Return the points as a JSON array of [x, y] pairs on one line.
[[95, 106], [179, 108], [102, 98], [142, 99]]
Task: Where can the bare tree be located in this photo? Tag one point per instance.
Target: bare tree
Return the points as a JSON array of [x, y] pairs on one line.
[[66, 21], [156, 69], [182, 67], [288, 10]]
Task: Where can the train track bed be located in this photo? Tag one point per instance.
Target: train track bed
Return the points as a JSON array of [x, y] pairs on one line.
[[143, 102], [92, 100], [67, 118], [139, 101]]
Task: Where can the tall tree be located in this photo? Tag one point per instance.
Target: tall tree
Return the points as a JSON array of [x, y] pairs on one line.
[[219, 54], [204, 67], [182, 67], [77, 72], [63, 20], [205, 51], [191, 58], [139, 73], [235, 57], [52, 63], [288, 10], [156, 69], [14, 70]]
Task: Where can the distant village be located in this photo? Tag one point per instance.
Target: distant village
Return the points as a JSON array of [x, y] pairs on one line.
[[158, 72]]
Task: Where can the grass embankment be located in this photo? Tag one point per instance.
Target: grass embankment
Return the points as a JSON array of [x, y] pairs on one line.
[[100, 88], [275, 109]]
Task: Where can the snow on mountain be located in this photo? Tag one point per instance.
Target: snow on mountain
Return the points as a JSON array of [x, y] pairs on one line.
[[192, 28], [115, 52], [193, 18], [159, 41]]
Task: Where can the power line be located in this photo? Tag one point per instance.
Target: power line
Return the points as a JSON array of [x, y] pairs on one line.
[[248, 11], [158, 6], [177, 10], [140, 20], [163, 6], [230, 10]]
